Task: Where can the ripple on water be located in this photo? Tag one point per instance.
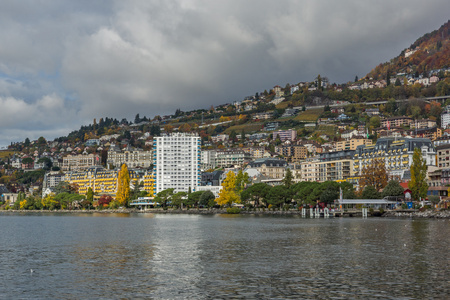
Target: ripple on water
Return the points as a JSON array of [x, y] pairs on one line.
[[244, 257]]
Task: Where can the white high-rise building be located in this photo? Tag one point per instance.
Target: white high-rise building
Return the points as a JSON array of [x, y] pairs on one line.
[[176, 159]]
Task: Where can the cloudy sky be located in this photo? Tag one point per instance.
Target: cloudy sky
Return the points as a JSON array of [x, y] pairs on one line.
[[64, 63]]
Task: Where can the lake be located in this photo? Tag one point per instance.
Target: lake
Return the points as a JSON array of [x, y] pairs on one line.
[[156, 256]]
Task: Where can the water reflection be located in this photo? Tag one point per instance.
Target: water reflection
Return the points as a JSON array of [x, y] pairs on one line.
[[191, 256]]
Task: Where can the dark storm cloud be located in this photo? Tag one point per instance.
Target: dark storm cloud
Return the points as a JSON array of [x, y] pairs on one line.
[[92, 59]]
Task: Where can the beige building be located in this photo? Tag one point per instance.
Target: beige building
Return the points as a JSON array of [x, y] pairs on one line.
[[443, 156], [292, 153], [310, 170], [134, 158], [270, 167], [229, 158], [80, 162], [335, 170], [335, 166], [396, 121], [352, 144]]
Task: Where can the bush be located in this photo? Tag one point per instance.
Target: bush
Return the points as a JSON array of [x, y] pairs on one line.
[[114, 205], [233, 210], [381, 211]]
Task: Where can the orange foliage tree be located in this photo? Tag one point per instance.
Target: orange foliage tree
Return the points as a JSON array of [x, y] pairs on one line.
[[374, 174]]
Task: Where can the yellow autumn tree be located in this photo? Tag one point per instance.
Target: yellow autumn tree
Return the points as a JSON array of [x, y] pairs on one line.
[[184, 128], [123, 186], [49, 202], [227, 194], [168, 128], [23, 203]]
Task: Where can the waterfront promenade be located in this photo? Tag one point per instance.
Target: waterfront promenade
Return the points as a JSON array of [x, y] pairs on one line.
[[437, 214]]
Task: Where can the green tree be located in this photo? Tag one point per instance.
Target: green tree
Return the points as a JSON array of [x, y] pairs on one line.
[[329, 194], [255, 194], [89, 196], [242, 180], [391, 106], [208, 199], [177, 199], [63, 187], [303, 192], [123, 186], [418, 184], [164, 196], [393, 188], [233, 136], [278, 195], [288, 178], [370, 192], [375, 122], [319, 82], [243, 136], [193, 199], [27, 160]]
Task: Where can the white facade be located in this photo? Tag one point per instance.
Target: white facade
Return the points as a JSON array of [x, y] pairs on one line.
[[52, 179], [176, 159], [208, 159], [215, 189], [445, 119]]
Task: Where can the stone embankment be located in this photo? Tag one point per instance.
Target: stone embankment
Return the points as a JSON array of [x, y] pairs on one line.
[[427, 214]]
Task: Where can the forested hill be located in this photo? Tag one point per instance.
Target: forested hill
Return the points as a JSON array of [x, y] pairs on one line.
[[429, 52]]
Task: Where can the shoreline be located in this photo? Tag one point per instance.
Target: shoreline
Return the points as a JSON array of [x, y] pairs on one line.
[[414, 214]]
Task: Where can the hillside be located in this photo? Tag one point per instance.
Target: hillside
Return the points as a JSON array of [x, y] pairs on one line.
[[427, 53]]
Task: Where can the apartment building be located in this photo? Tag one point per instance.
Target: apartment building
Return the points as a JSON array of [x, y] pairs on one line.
[[335, 166], [285, 135], [445, 119], [292, 153], [397, 121], [231, 158], [309, 169], [352, 144], [443, 156], [176, 159], [52, 179], [80, 162], [208, 159]]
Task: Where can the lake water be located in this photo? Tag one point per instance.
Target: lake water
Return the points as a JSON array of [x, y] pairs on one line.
[[112, 256]]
